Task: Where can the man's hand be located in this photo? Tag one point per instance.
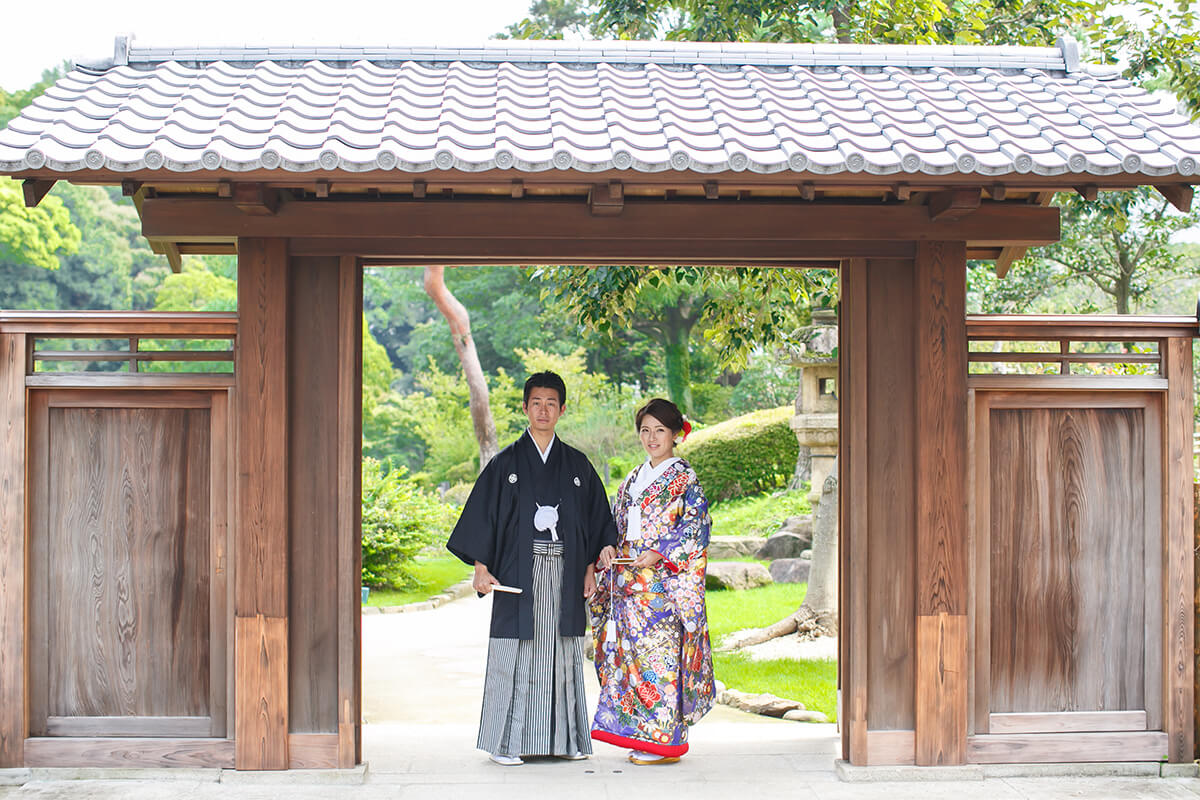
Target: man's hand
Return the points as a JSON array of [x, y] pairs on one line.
[[646, 559], [483, 580], [607, 555]]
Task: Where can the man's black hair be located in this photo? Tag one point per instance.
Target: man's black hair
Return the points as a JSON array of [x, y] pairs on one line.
[[546, 380]]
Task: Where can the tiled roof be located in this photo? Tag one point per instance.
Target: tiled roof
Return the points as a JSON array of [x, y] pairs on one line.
[[593, 106]]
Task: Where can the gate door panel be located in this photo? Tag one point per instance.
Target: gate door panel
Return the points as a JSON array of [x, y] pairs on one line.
[[128, 564], [1068, 551]]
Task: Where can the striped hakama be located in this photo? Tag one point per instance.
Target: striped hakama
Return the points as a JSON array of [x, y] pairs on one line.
[[533, 700]]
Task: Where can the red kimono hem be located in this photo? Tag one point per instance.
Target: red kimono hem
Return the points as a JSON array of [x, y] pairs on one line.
[[640, 744]]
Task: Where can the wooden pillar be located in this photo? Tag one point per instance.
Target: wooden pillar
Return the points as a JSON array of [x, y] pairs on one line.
[[349, 513], [1177, 660], [941, 468], [261, 594], [853, 522], [12, 550]]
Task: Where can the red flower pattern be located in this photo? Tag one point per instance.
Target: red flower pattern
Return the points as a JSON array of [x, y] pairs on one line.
[[648, 693]]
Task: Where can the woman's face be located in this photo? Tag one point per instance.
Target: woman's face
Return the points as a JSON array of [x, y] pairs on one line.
[[657, 439]]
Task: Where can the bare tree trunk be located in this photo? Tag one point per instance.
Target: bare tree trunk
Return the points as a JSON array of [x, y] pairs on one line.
[[460, 331], [817, 615]]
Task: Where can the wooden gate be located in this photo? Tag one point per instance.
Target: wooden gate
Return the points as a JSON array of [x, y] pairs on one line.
[[1072, 647], [128, 502]]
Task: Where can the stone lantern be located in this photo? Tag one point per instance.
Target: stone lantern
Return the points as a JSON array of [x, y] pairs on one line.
[[816, 420]]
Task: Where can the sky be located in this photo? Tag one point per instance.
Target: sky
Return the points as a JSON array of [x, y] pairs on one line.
[[86, 29]]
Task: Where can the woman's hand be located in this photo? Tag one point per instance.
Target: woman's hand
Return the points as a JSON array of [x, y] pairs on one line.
[[483, 581], [607, 555], [646, 559]]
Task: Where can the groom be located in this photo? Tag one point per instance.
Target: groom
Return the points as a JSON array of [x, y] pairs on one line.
[[533, 527]]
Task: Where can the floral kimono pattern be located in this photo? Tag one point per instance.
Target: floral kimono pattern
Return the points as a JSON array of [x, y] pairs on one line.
[[650, 626]]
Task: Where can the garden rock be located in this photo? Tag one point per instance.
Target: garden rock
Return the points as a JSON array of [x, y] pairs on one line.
[[801, 525], [806, 555], [790, 570], [784, 545], [724, 547], [737, 575], [767, 705], [796, 715]]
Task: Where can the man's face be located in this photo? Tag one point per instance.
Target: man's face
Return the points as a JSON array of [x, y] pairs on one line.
[[543, 409]]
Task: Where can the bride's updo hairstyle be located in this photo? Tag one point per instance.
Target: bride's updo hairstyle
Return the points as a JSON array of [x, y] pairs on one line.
[[662, 410]]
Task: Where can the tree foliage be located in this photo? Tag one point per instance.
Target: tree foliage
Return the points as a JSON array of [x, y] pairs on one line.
[[34, 236]]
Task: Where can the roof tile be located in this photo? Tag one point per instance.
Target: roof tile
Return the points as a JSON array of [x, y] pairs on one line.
[[641, 106]]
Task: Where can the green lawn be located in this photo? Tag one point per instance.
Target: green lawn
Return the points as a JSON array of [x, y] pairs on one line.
[[760, 515], [813, 683], [433, 576]]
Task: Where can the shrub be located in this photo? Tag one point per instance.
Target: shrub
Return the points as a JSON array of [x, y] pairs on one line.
[[398, 519], [745, 455]]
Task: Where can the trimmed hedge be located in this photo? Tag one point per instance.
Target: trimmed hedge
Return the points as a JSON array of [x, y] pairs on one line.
[[745, 455]]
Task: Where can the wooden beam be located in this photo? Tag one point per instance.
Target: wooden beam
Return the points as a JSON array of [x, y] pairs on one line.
[[13, 709], [712, 190], [808, 192], [498, 251], [322, 188], [941, 437], [1088, 191], [349, 514], [1178, 680], [953, 205], [607, 199], [130, 187], [225, 189], [1011, 254], [419, 188], [1178, 194], [261, 538], [518, 189], [998, 191], [34, 189], [994, 224], [174, 257], [129, 752], [255, 199]]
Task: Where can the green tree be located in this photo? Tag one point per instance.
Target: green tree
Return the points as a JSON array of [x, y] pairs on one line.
[[36, 237], [553, 19]]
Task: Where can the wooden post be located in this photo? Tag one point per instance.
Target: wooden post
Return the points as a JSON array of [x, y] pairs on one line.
[[261, 594], [853, 505], [12, 550], [941, 442], [1177, 658], [349, 512]]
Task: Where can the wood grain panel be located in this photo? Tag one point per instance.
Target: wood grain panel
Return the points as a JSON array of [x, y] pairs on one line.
[[940, 477], [13, 725], [312, 495], [852, 495], [1179, 633], [37, 601], [128, 562], [891, 567], [261, 728], [142, 727], [891, 747], [214, 753], [1067, 541], [1069, 721], [1043, 748], [261, 549], [349, 512], [313, 751], [941, 713]]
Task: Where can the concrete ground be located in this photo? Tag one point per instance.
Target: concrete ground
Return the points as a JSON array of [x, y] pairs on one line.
[[422, 683]]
